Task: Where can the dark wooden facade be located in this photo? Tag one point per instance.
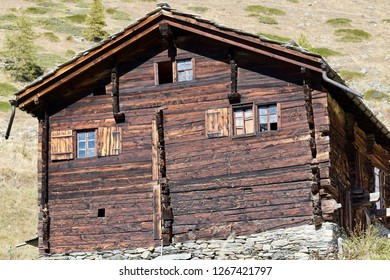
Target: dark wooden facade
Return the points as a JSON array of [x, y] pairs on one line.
[[171, 162]]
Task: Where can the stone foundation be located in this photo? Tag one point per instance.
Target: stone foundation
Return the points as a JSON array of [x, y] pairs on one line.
[[296, 243]]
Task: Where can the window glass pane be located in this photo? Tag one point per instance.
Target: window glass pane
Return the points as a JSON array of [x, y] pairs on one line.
[[272, 109], [91, 144], [273, 119], [82, 145], [248, 113], [274, 126], [264, 119], [262, 110], [181, 76], [263, 127], [184, 64], [81, 154], [91, 135], [91, 153], [81, 136]]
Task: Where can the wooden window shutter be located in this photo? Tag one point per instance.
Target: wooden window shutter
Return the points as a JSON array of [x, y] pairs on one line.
[[217, 122], [109, 141], [61, 145]]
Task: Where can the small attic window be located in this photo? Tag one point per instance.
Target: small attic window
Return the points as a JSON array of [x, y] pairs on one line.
[[165, 72], [170, 72]]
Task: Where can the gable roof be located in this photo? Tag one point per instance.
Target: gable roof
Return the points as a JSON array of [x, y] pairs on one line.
[[35, 95]]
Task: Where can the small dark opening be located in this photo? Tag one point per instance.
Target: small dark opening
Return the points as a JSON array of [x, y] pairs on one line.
[[99, 91], [101, 212], [273, 126], [165, 72]]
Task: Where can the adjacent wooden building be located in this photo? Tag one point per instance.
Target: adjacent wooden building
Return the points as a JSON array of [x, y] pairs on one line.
[[177, 128]]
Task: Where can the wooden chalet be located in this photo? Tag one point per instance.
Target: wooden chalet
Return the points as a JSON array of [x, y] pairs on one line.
[[177, 128]]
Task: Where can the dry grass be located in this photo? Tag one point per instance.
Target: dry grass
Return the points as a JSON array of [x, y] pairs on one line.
[[18, 187]]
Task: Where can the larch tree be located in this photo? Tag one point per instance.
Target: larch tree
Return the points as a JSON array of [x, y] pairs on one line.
[[96, 22], [20, 52]]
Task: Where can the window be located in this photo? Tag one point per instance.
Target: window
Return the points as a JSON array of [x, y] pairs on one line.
[[379, 185], [184, 70], [243, 122], [245, 119], [165, 72], [268, 117], [170, 72], [86, 144]]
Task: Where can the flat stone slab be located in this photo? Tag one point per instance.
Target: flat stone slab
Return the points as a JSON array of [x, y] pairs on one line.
[[175, 257]]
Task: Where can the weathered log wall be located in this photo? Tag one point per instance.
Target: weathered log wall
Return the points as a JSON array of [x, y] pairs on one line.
[[217, 186]]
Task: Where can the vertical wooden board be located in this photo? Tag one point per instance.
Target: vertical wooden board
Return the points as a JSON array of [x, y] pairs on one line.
[[155, 164]]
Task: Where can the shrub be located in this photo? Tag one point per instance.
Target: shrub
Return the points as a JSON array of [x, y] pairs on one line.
[[264, 10], [60, 25], [386, 20], [339, 22], [352, 35], [303, 42], [70, 53], [49, 60]]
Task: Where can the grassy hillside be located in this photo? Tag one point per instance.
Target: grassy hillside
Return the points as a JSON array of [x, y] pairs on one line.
[[352, 35]]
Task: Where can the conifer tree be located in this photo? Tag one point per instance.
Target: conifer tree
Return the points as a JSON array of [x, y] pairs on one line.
[[20, 52], [95, 22]]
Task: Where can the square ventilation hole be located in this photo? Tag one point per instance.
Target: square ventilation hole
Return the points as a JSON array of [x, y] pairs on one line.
[[101, 212]]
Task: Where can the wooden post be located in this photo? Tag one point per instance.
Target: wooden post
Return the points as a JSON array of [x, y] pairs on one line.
[[118, 116], [234, 96], [165, 214], [315, 184], [44, 182]]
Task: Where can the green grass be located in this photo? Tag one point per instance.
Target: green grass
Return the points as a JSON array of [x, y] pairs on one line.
[[377, 95], [294, 1], [264, 10], [303, 42], [51, 37], [60, 25], [267, 20], [5, 106], [325, 52], [37, 10], [339, 22], [386, 20], [198, 9], [275, 37], [49, 60], [8, 17], [350, 75], [7, 89], [77, 18], [118, 15], [366, 246], [352, 35]]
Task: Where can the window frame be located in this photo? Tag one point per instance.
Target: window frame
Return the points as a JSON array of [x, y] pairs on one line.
[[175, 72], [256, 115], [86, 132]]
